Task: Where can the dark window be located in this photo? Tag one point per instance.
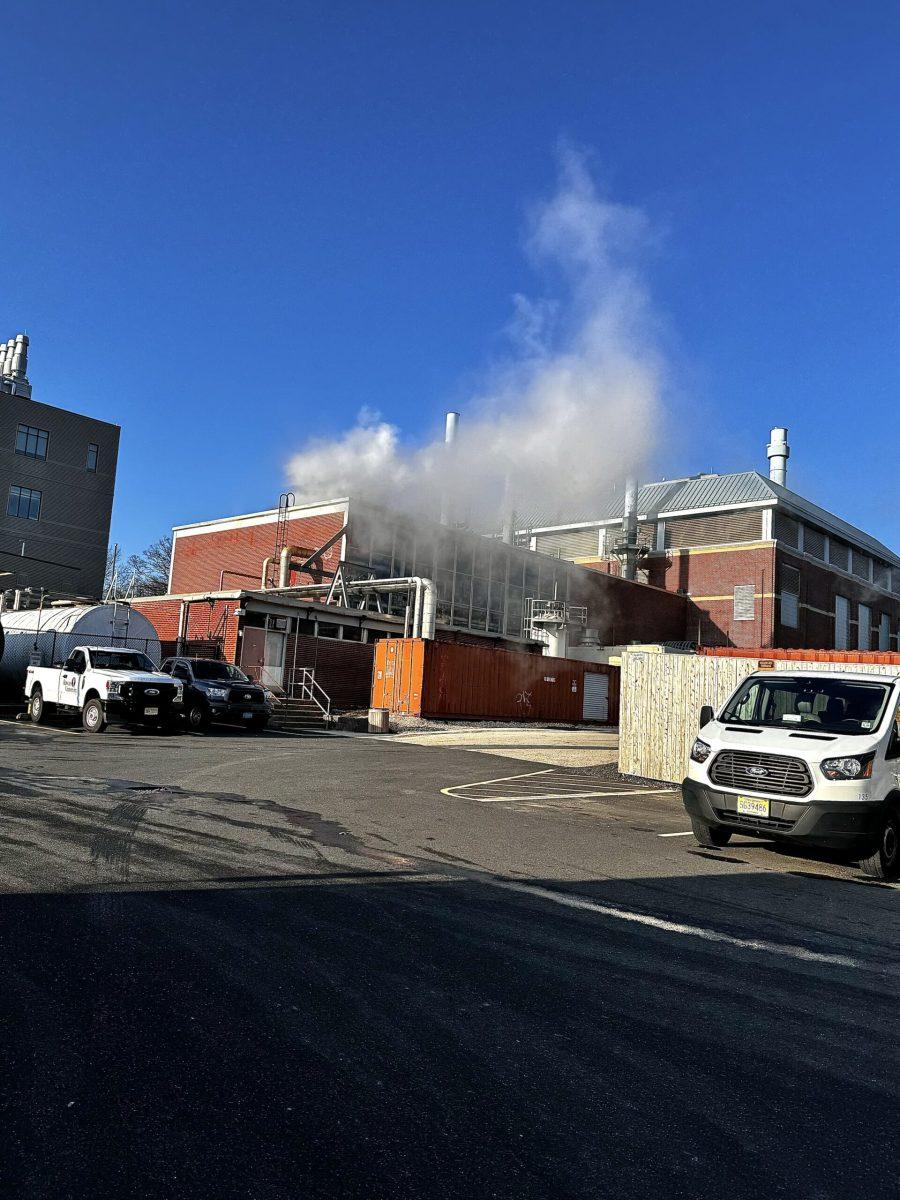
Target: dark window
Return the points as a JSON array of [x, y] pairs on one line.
[[24, 502], [93, 455], [32, 442]]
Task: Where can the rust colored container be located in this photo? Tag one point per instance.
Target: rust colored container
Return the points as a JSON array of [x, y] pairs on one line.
[[446, 680]]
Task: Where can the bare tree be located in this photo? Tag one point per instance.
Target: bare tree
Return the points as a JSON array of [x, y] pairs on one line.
[[144, 574]]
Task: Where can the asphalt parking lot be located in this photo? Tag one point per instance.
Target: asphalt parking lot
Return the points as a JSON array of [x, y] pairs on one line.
[[244, 966]]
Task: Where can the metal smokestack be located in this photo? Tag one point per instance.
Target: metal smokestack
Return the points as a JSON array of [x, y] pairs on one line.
[[629, 547], [450, 423], [778, 452]]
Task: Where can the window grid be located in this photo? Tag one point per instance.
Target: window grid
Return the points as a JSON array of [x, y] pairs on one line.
[[24, 502], [93, 456], [31, 441]]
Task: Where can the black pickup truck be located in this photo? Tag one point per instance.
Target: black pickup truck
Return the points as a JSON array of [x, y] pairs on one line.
[[219, 691]]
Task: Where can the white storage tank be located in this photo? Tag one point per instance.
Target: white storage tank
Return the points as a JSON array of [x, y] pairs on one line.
[[50, 635]]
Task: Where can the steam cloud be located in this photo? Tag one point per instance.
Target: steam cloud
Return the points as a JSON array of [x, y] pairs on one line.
[[565, 419]]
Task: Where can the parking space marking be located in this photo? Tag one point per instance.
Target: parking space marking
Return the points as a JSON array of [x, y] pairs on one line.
[[547, 784], [683, 833]]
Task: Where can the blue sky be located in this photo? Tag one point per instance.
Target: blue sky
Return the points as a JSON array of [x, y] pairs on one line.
[[229, 227]]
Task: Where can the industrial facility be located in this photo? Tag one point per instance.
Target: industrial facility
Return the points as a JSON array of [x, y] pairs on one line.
[[761, 565], [57, 479]]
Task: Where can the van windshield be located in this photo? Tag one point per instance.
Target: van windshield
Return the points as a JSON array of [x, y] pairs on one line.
[[824, 704]]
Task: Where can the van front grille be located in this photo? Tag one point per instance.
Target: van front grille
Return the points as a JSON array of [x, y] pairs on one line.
[[752, 771]]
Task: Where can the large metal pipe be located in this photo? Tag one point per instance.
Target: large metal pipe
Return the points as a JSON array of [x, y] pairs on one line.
[[451, 422], [778, 452], [267, 564], [424, 603], [629, 529]]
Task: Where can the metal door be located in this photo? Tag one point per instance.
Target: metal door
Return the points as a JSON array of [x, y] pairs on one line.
[[273, 668], [253, 652], [595, 701]]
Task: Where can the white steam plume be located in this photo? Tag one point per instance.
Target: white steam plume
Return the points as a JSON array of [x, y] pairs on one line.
[[560, 424]]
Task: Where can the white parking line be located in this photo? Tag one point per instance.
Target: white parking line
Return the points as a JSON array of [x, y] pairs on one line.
[[684, 833], [458, 787], [708, 935], [528, 796]]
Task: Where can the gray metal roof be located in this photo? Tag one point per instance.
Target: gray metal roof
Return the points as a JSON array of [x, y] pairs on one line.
[[700, 492]]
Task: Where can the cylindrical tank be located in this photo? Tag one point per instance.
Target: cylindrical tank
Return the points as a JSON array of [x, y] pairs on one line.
[[51, 634]]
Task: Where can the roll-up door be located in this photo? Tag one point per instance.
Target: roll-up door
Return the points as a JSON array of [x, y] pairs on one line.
[[595, 701]]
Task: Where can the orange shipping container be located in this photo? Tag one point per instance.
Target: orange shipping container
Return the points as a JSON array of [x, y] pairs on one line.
[[444, 679]]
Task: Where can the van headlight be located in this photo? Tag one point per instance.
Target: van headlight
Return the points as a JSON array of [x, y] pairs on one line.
[[700, 751], [857, 766]]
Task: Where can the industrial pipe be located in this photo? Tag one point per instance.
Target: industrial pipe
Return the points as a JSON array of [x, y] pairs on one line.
[[424, 606], [778, 452], [267, 563]]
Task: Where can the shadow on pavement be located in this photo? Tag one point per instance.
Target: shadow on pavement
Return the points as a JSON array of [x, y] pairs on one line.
[[355, 1036]]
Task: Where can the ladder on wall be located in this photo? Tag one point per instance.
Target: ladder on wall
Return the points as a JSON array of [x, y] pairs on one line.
[[286, 502]]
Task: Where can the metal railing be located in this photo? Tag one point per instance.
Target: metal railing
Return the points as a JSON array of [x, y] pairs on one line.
[[301, 684]]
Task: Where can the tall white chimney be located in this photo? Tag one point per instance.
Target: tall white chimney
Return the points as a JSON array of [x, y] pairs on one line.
[[779, 452], [450, 423]]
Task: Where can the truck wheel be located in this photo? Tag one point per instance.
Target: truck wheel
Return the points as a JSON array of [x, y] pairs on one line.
[[884, 861], [37, 710], [711, 836], [93, 717], [198, 716]]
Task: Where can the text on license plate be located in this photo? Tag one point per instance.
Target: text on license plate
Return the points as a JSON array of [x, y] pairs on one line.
[[246, 716], [751, 807], [151, 712]]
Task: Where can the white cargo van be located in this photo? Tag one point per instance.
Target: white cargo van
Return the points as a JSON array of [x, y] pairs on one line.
[[811, 757]]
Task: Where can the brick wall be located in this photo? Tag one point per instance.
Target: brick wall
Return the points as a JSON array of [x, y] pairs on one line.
[[708, 577], [211, 623], [198, 559], [816, 621]]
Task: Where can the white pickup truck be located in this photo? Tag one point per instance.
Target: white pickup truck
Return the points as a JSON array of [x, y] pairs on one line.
[[104, 683]]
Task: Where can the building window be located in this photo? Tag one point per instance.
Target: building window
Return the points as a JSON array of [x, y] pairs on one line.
[[32, 442], [93, 455], [790, 597], [864, 632], [23, 502], [861, 565], [841, 623], [744, 602]]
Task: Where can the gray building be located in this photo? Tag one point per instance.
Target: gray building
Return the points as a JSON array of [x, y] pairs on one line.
[[57, 480]]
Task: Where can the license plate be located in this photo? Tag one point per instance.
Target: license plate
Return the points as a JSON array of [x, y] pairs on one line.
[[151, 712], [751, 807], [246, 716]]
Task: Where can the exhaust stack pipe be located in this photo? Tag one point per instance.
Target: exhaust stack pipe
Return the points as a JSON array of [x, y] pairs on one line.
[[778, 452], [630, 530], [451, 421]]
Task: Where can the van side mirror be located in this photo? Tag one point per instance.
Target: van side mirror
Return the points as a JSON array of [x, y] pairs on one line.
[[893, 748], [707, 714]]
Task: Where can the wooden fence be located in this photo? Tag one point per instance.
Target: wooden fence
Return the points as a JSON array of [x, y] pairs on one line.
[[662, 695]]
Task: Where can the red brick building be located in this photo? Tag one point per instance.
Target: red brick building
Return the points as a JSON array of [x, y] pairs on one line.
[[225, 593], [761, 565]]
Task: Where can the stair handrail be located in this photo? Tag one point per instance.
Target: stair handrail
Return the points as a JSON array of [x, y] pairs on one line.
[[303, 685]]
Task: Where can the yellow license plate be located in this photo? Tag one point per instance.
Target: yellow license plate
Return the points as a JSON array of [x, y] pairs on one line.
[[751, 807]]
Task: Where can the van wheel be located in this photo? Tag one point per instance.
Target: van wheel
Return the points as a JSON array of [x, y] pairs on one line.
[[37, 710], [711, 836], [884, 861], [93, 717]]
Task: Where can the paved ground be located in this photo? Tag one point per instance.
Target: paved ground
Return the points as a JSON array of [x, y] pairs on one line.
[[559, 747], [259, 967]]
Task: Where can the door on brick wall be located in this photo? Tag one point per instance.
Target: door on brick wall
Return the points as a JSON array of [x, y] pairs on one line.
[[273, 667], [253, 653]]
